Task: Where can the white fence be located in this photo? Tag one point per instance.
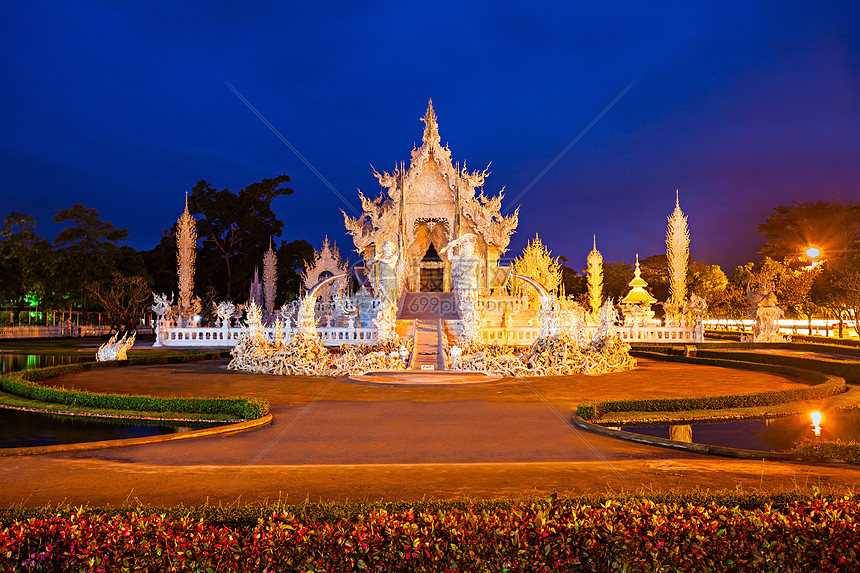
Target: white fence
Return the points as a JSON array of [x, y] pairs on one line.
[[523, 335], [227, 337]]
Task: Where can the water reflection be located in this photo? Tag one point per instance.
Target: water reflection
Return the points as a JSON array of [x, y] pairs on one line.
[[28, 429], [767, 435], [15, 362]]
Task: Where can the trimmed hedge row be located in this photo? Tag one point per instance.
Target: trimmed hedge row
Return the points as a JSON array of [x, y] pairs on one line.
[[249, 515], [827, 386], [547, 535], [848, 369], [24, 384], [834, 449]]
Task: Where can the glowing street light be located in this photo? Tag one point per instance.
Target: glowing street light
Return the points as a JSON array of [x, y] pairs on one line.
[[813, 252], [816, 422]]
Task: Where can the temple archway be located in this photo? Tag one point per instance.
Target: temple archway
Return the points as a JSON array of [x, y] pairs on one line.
[[429, 269]]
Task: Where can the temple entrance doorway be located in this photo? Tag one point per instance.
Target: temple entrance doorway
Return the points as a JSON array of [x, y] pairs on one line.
[[432, 271]]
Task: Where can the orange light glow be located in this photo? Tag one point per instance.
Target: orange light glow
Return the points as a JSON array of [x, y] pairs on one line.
[[816, 418], [813, 252]]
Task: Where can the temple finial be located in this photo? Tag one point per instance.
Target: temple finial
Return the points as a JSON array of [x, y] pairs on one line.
[[431, 126], [595, 242], [677, 204]]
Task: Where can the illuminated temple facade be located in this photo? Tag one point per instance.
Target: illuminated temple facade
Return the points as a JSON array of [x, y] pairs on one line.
[[420, 209]]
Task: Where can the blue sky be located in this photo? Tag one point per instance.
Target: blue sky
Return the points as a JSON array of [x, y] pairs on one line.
[[742, 106]]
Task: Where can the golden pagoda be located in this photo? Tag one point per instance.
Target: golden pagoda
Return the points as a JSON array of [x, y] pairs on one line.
[[637, 304]]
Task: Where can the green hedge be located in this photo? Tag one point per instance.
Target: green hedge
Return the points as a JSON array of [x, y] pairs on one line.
[[834, 449], [847, 369], [830, 387], [24, 384]]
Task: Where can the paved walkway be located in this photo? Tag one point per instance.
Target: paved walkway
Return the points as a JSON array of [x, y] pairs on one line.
[[334, 440]]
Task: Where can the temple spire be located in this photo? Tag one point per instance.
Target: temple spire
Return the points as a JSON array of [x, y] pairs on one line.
[[431, 127]]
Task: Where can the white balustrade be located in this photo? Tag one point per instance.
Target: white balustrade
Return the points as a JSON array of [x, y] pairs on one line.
[[660, 334]]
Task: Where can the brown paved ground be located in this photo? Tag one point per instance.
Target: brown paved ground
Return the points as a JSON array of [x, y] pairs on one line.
[[332, 440]]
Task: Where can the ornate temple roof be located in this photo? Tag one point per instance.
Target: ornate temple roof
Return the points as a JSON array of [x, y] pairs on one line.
[[637, 293], [429, 182]]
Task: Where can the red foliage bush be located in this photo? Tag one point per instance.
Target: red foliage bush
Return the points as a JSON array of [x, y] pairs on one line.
[[637, 535]]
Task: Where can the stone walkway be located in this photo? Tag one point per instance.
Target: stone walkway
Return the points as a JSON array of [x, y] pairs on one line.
[[335, 440]]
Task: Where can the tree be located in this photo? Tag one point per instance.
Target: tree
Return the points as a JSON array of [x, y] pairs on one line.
[[706, 280], [24, 260], [124, 298], [236, 227], [841, 288], [791, 229], [616, 279], [293, 257], [87, 249]]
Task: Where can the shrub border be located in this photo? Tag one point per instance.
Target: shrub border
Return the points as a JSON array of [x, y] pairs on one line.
[[24, 384], [826, 386]]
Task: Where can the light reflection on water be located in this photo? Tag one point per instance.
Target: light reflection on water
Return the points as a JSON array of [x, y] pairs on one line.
[[14, 362], [767, 435], [29, 429]]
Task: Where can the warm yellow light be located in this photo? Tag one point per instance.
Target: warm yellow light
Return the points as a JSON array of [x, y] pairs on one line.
[[813, 252], [816, 418]]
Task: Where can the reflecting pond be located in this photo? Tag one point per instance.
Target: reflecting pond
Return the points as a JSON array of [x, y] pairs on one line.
[[20, 429], [767, 435], [10, 362], [28, 429]]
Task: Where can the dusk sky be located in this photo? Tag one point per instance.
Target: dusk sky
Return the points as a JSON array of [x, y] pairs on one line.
[[742, 106]]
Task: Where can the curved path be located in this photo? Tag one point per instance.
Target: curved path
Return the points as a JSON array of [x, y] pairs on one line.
[[334, 440]]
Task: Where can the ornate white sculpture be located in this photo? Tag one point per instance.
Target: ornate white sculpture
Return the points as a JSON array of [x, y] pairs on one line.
[[113, 350], [698, 308], [225, 311], [307, 308], [186, 244], [607, 318], [270, 278], [594, 275], [384, 267], [677, 255], [327, 262], [763, 308], [549, 316], [466, 268], [162, 307]]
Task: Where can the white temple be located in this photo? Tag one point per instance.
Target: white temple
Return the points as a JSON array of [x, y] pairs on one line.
[[424, 207], [431, 242]]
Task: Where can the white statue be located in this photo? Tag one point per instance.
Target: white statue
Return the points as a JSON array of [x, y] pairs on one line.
[[224, 311], [466, 274], [162, 307], [113, 350], [307, 308], [385, 278], [767, 314], [606, 321], [550, 320]]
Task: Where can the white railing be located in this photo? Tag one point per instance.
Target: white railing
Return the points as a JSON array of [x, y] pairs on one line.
[[667, 334], [511, 335], [337, 335], [227, 337], [521, 335], [201, 336]]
